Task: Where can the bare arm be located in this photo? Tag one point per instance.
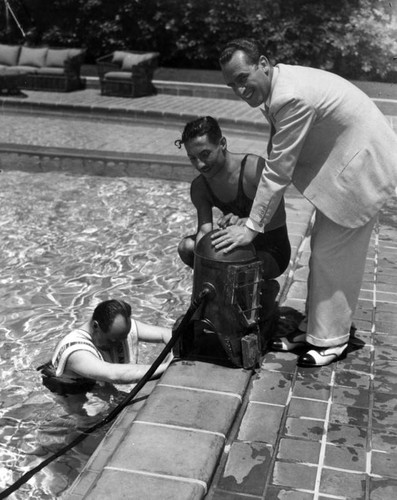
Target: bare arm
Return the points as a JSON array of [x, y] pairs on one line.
[[85, 364], [252, 175], [152, 333], [203, 206]]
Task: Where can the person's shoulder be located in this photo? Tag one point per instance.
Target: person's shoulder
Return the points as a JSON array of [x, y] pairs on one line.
[[76, 340], [79, 334], [253, 158], [303, 82], [198, 188], [198, 182], [72, 336], [289, 77], [76, 337], [294, 89], [253, 162], [284, 70]]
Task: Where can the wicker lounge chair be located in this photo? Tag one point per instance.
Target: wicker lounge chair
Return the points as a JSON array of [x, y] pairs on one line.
[[127, 74]]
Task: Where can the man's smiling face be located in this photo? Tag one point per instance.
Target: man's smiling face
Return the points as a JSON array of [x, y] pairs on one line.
[[251, 82]]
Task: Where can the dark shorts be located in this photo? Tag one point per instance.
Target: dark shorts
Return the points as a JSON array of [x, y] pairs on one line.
[[276, 243]]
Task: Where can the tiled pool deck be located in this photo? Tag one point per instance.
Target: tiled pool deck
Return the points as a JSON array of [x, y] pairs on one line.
[[283, 432]]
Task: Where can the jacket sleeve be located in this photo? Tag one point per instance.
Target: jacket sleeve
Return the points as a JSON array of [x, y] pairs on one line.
[[292, 121]]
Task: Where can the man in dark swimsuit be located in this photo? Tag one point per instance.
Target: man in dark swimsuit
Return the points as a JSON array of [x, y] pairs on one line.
[[228, 181]]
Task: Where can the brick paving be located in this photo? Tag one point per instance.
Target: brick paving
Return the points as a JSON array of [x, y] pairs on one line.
[[162, 107], [328, 432], [71, 131], [81, 133], [285, 432]]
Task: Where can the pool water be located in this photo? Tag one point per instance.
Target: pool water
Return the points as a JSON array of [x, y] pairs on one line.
[[67, 243]]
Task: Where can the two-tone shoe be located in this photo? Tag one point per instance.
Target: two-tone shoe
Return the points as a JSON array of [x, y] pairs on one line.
[[322, 356], [290, 342]]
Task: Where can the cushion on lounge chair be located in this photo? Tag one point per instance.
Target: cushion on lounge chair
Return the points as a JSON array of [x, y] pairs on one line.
[[118, 56], [32, 57], [25, 69], [50, 71], [57, 57], [9, 54], [75, 52], [118, 75], [132, 60]]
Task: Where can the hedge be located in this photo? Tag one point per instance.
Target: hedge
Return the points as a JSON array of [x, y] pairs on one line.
[[354, 38]]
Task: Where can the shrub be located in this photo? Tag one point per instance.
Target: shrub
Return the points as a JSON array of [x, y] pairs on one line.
[[355, 38]]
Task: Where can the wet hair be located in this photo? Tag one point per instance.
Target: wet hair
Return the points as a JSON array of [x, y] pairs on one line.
[[106, 312], [250, 46], [206, 125]]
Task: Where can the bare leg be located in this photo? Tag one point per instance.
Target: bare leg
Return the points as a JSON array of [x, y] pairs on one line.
[[186, 250]]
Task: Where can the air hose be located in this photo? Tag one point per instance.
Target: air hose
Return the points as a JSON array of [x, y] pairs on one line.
[[206, 291]]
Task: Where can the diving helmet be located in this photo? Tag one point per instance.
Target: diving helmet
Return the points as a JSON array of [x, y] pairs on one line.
[[232, 326]]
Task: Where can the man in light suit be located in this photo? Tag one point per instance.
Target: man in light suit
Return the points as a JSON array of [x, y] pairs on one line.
[[331, 141]]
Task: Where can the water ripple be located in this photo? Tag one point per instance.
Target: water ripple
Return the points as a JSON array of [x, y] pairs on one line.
[[69, 242]]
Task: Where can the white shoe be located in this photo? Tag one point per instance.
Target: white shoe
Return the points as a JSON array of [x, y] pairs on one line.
[[322, 356], [289, 342]]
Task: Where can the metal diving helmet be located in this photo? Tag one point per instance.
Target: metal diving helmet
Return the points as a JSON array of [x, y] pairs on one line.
[[232, 326]]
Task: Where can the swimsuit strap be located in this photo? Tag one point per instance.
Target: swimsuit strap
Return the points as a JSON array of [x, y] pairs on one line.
[[241, 178]]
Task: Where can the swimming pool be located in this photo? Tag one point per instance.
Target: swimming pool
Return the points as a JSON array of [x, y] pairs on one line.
[[68, 242]]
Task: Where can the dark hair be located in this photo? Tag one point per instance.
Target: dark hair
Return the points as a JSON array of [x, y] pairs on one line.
[[106, 312], [200, 126], [250, 46]]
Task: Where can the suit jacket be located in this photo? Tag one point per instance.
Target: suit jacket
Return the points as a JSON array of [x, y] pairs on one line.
[[332, 142]]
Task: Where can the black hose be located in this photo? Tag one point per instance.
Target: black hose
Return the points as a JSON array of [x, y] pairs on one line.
[[208, 289]]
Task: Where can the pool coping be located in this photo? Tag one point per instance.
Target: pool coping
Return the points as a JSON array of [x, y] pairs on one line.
[[31, 158], [126, 109]]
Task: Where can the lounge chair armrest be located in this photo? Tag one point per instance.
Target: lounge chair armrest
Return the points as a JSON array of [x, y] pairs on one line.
[[107, 58], [75, 60], [104, 64], [148, 66], [104, 68]]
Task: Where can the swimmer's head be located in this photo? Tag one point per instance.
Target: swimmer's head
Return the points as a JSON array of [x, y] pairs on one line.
[[205, 146], [111, 322]]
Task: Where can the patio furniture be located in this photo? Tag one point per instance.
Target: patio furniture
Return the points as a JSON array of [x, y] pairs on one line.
[[127, 73], [10, 81], [44, 68]]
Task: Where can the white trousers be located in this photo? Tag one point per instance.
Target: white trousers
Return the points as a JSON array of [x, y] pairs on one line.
[[336, 269]]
